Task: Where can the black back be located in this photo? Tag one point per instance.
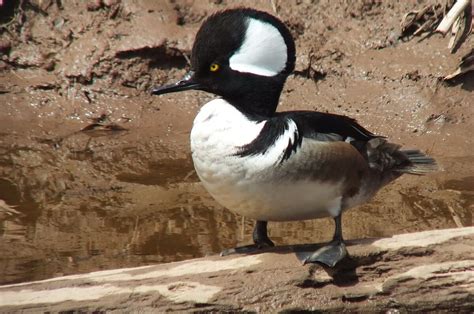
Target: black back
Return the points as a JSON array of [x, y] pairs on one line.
[[310, 124]]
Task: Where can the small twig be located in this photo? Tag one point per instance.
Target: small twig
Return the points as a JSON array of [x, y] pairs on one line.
[[455, 32], [8, 209], [423, 27], [466, 65], [428, 16], [436, 12], [418, 206], [190, 173], [274, 6], [456, 218], [185, 56], [134, 234]]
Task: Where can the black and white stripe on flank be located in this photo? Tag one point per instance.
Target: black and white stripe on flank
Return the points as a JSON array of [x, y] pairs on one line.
[[271, 132], [298, 125]]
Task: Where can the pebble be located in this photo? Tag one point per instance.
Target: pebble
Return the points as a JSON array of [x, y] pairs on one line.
[[94, 5], [109, 3], [5, 45]]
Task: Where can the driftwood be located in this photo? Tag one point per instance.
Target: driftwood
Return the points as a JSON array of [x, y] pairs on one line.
[[454, 14], [424, 271], [466, 65], [453, 17]]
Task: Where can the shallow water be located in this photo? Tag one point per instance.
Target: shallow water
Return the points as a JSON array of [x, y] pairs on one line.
[[165, 215]]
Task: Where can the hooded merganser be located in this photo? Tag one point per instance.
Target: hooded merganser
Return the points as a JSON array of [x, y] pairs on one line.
[[278, 166]]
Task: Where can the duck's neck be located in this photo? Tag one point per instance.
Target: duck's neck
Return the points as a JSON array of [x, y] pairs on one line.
[[259, 102]]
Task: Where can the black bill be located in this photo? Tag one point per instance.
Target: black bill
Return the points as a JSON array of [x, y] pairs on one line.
[[186, 83]]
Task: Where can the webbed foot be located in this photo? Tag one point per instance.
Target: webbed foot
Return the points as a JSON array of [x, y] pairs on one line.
[[334, 251], [328, 255]]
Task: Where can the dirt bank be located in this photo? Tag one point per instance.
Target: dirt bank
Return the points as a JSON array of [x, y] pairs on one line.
[[419, 272], [129, 197]]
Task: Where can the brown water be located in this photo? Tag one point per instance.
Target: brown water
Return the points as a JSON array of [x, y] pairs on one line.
[[165, 215]]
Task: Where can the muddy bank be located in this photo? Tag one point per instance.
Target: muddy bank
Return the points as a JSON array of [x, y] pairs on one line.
[[124, 193], [425, 271]]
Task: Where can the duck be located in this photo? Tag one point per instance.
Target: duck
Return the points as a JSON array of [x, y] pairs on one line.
[[274, 166]]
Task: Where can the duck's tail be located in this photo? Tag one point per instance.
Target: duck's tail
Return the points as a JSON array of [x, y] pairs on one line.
[[390, 161], [418, 163]]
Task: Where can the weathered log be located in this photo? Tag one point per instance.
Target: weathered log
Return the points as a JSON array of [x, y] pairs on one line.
[[424, 271]]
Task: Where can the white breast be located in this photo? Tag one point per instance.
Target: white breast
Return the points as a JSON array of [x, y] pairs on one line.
[[255, 186]]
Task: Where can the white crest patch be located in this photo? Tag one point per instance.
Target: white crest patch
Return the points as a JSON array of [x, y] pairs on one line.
[[263, 51]]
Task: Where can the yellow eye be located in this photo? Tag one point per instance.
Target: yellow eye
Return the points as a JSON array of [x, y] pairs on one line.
[[214, 67]]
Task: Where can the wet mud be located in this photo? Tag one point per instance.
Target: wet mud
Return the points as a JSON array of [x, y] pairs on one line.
[[96, 174]]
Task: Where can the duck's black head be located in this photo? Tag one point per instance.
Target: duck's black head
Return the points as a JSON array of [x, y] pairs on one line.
[[243, 55]]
